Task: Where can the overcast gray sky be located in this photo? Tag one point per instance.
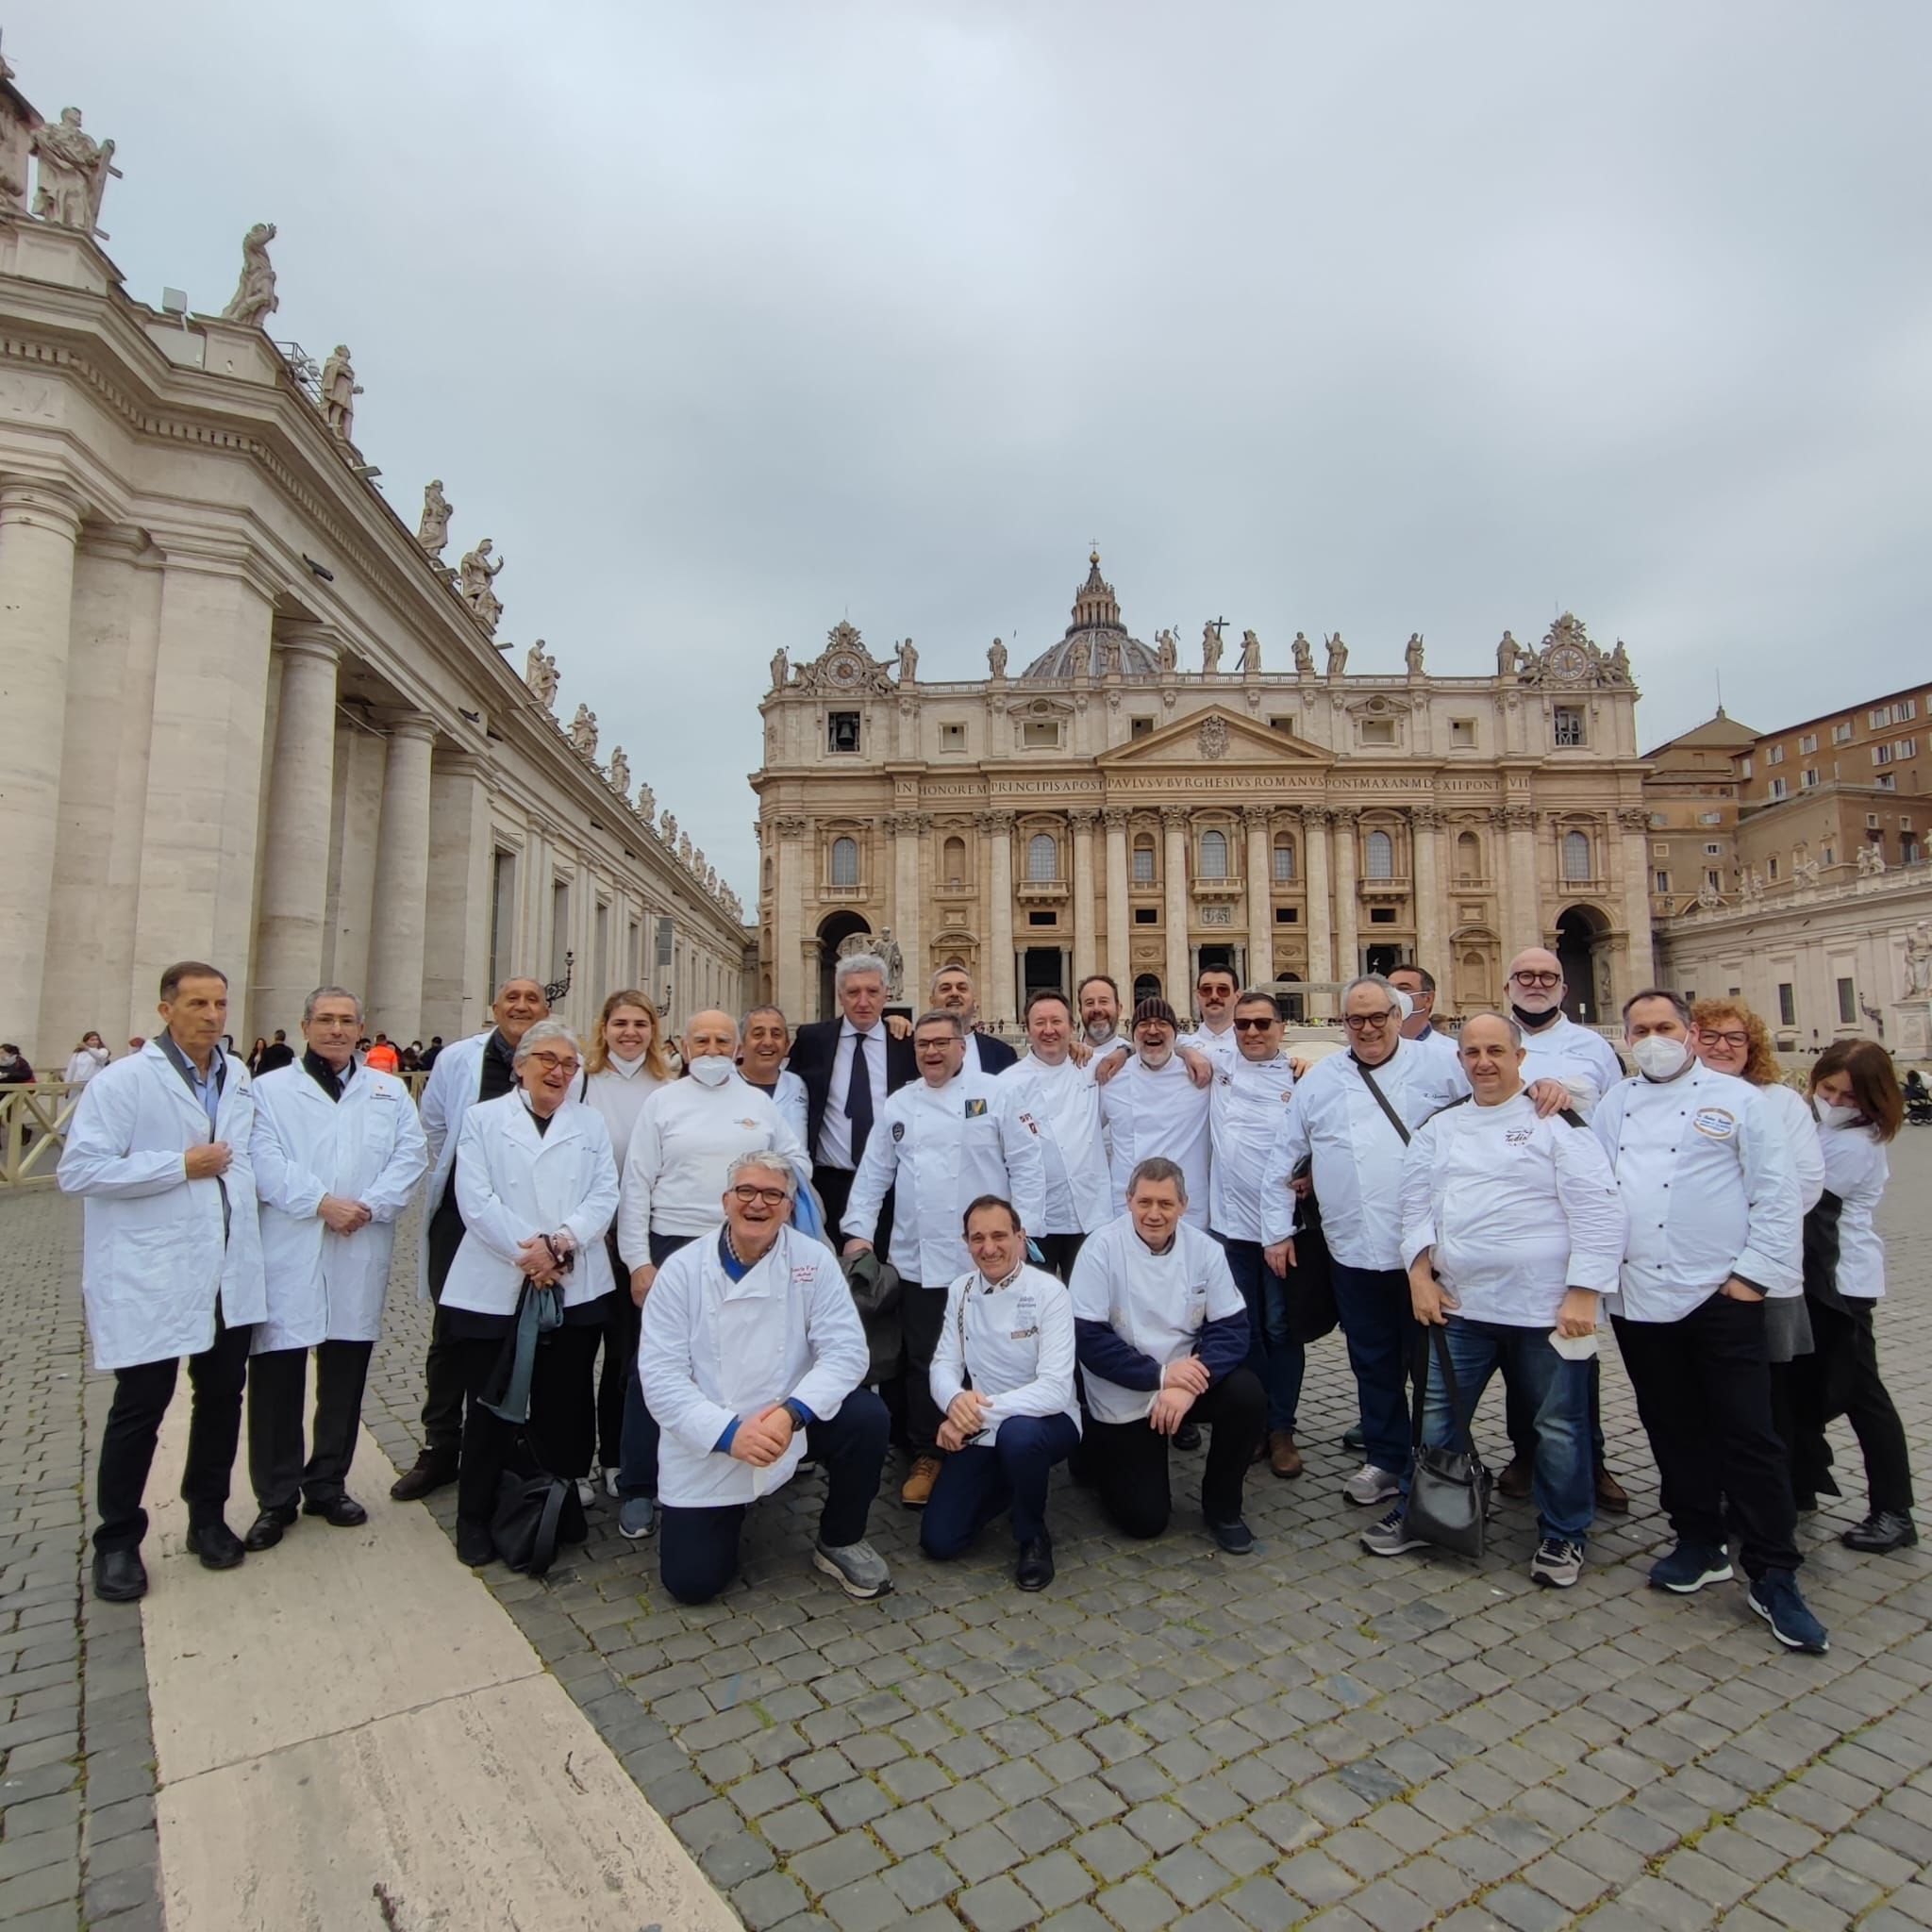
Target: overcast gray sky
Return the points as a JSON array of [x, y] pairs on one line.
[[728, 321]]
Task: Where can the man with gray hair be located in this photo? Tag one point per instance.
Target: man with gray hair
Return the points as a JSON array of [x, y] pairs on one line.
[[479, 1068], [337, 1151]]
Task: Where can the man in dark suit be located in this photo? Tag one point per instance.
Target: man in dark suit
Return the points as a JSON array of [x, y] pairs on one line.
[[952, 993], [848, 1065]]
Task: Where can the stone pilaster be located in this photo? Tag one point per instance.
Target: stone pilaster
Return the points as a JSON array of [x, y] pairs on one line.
[[1173, 822], [905, 827], [1638, 963], [1347, 943], [1082, 818], [1119, 924], [1258, 820], [1431, 941], [998, 1008], [1316, 902], [788, 916]]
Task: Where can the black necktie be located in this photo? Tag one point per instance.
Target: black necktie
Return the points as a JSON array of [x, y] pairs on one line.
[[858, 1099]]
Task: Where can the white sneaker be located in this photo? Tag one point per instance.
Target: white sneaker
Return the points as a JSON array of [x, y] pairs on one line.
[[1369, 1486], [1391, 1537], [587, 1492], [1557, 1563], [611, 1483]]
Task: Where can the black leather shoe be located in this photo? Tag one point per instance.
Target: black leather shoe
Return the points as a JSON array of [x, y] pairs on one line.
[[216, 1544], [1235, 1538], [338, 1512], [1187, 1436], [1035, 1568], [119, 1576], [475, 1546], [433, 1470], [1354, 1440], [1518, 1478], [265, 1532], [1883, 1530]]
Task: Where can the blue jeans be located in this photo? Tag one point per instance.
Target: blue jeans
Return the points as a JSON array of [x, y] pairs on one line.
[[976, 1484], [1275, 1356], [637, 1467], [1555, 1392], [1379, 1326]]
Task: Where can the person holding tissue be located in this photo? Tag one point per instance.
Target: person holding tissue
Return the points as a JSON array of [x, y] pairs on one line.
[[1512, 1229]]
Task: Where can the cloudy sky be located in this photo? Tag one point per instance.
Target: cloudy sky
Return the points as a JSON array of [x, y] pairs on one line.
[[728, 321]]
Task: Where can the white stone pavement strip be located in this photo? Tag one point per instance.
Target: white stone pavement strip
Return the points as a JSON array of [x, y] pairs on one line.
[[349, 1730]]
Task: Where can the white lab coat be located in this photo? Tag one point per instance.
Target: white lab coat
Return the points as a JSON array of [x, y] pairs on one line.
[[1517, 1210], [448, 1094], [154, 1261], [1157, 1112], [84, 1063], [1244, 1110], [943, 1147], [513, 1183], [1066, 1103], [714, 1350], [1015, 1345], [367, 1146]]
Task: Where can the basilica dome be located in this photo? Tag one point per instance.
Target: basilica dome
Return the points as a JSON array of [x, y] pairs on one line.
[[1095, 636]]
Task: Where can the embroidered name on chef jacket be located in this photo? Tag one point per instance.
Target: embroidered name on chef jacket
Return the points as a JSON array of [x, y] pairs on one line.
[[1027, 1315], [975, 1108], [1718, 1121]]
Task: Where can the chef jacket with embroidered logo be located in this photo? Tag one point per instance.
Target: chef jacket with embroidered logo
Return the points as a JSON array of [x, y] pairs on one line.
[[1222, 1049], [1065, 1103], [1155, 1309], [1709, 1188], [1357, 1152], [943, 1147], [1157, 1112], [1244, 1108], [1017, 1349], [1517, 1210]]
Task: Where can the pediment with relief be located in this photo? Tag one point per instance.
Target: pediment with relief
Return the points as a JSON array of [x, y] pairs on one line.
[[1215, 736]]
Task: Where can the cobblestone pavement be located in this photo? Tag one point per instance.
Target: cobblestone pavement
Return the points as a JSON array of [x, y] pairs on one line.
[[1168, 1737]]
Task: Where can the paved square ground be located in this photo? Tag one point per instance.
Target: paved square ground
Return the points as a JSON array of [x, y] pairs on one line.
[[1168, 1737]]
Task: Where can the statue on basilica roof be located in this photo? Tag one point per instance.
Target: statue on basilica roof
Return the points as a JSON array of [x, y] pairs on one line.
[[73, 173], [254, 299]]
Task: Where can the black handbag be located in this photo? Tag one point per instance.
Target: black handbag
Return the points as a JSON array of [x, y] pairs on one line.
[[1309, 1284], [1449, 1492], [533, 1514]]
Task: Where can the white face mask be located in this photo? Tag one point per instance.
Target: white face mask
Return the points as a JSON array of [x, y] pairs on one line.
[[1660, 1058], [712, 1069], [1829, 1116]]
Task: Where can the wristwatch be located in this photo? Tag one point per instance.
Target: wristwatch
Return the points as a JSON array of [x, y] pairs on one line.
[[797, 1410]]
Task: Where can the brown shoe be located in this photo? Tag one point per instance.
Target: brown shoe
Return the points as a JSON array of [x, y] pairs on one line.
[[916, 1492], [1284, 1459], [1514, 1481], [1610, 1495]]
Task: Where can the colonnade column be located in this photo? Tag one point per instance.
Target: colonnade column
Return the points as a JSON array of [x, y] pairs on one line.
[[1347, 952], [40, 526], [295, 875], [457, 934], [1257, 819], [1425, 824], [1083, 817], [1174, 820], [787, 916], [401, 881], [1315, 877], [905, 827], [998, 828], [1115, 819]]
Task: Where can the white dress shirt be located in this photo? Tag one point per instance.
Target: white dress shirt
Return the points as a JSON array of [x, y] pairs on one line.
[[1855, 1170], [1517, 1210], [1586, 1062], [1066, 1103], [1015, 1341], [835, 1130], [1244, 1108], [1709, 1188], [943, 1147], [1158, 1112], [685, 1138]]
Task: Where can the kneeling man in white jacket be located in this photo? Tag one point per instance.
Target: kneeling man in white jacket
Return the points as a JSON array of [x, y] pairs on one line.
[[751, 1349]]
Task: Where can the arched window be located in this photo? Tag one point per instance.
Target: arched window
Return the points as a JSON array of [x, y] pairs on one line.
[[1042, 858], [1576, 859], [1284, 860], [844, 861], [1143, 861], [1381, 856], [1213, 855], [953, 862], [1468, 856]]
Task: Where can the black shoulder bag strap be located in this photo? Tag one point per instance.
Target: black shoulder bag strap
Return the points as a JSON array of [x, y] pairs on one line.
[[1395, 1120], [1439, 1335]]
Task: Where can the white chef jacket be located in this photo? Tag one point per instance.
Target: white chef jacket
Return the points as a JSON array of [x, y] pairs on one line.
[[448, 1094], [1855, 1170], [1244, 1108], [1158, 1304], [1799, 1124], [1357, 1154], [1708, 1189], [685, 1140], [1065, 1104], [714, 1350], [619, 1092], [1437, 1047], [154, 1261], [835, 1129], [944, 1146], [1517, 1210], [1015, 1341], [1586, 1062], [1223, 1048], [513, 1183], [1158, 1112], [367, 1146], [787, 1094]]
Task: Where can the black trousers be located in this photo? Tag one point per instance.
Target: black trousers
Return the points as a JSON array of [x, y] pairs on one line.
[[559, 1437], [921, 1320], [142, 1396], [1061, 1251], [619, 1366], [1129, 1460], [834, 1185], [1703, 1387], [1840, 1378], [275, 1385], [443, 1373]]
